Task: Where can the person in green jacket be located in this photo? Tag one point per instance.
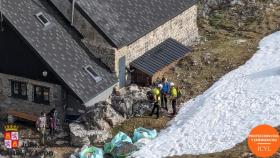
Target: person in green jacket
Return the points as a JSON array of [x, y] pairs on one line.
[[156, 95], [173, 97]]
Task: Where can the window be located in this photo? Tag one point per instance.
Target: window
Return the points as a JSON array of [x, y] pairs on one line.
[[41, 95], [42, 18], [19, 89], [92, 73]]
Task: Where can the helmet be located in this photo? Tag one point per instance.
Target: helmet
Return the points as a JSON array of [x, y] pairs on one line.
[[160, 86], [172, 84]]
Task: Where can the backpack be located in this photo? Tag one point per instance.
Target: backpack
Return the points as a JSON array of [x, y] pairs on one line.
[[150, 96], [179, 93]]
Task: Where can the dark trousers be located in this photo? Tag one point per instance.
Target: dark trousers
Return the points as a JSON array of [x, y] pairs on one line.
[[156, 106], [174, 102], [163, 101]]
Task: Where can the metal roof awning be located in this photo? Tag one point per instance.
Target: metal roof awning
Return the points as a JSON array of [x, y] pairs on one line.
[[160, 56]]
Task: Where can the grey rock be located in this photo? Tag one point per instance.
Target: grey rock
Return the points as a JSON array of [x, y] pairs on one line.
[[124, 149], [141, 107], [72, 156], [112, 117], [101, 116], [61, 142], [96, 123], [77, 150], [132, 103], [80, 136], [133, 88], [62, 135]]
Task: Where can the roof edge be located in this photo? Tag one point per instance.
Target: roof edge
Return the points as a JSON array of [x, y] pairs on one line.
[[162, 23], [144, 34], [43, 61], [94, 25]]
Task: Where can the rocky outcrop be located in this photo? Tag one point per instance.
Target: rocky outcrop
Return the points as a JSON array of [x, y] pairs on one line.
[[101, 116], [81, 136], [206, 6], [133, 103], [95, 125]]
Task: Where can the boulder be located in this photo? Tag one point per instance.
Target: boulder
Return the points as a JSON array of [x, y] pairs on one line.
[[73, 156], [141, 107], [124, 150], [112, 117], [61, 142], [80, 136], [123, 105], [62, 135], [132, 103], [101, 116], [133, 88], [95, 125]]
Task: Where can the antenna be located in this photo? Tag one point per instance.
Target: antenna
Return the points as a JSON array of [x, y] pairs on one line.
[[73, 9]]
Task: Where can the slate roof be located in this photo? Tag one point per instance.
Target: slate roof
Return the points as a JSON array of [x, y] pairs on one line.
[[160, 56], [124, 21], [55, 45]]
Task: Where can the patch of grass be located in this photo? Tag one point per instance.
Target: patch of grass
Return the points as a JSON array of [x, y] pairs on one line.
[[227, 48], [147, 122], [230, 42]]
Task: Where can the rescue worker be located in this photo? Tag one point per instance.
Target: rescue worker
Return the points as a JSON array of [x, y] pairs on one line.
[[156, 95], [173, 97], [41, 124], [164, 92]]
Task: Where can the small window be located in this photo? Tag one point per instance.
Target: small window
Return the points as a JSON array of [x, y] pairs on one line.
[[41, 95], [43, 19], [19, 89], [92, 73]]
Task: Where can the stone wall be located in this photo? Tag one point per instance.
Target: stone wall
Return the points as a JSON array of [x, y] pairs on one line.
[[54, 95], [183, 28], [96, 43], [105, 54]]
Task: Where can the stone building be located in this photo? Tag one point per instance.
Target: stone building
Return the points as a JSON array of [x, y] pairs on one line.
[[119, 31], [69, 54], [43, 64]]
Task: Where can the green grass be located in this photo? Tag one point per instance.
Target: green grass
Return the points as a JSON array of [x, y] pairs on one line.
[[147, 122]]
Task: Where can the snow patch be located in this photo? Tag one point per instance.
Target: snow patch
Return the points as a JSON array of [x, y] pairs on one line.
[[224, 115]]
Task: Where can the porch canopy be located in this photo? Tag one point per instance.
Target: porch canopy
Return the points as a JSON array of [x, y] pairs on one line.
[[160, 57]]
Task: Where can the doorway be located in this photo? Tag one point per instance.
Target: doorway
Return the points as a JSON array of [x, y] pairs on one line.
[[122, 72]]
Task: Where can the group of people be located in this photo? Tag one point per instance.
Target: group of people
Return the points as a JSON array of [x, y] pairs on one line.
[[44, 121], [161, 93]]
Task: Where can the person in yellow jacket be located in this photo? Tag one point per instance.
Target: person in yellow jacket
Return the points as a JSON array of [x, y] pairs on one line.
[[173, 97], [156, 95]]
